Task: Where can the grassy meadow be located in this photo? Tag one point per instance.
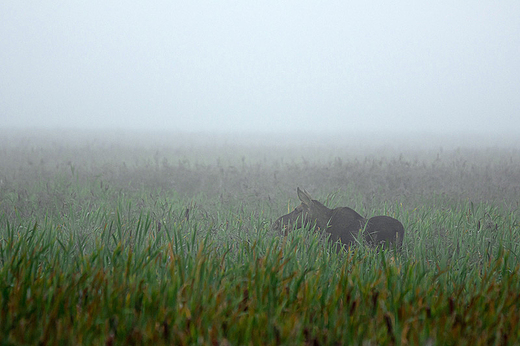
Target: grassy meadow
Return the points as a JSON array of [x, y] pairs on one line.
[[138, 239]]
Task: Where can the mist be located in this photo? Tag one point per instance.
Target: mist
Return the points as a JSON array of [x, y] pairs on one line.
[[402, 67]]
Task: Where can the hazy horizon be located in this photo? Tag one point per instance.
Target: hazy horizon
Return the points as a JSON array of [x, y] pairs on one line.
[[375, 143], [329, 68]]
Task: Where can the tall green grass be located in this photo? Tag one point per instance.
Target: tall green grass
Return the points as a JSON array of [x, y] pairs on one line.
[[110, 253]]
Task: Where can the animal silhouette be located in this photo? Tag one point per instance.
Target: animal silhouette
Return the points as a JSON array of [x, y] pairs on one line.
[[343, 224]]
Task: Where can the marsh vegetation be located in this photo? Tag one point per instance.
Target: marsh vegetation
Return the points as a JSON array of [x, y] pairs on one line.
[[168, 241]]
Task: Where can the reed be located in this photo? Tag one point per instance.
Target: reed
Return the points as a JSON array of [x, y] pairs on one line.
[[108, 253]]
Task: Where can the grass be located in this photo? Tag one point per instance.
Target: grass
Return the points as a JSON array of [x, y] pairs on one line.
[[117, 243]]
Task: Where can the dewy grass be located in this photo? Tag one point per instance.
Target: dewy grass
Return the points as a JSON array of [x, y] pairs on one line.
[[100, 252], [273, 294]]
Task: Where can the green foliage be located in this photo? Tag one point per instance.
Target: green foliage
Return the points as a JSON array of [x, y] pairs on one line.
[[97, 251]]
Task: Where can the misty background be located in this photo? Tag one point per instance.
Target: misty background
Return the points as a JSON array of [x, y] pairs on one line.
[[334, 67]]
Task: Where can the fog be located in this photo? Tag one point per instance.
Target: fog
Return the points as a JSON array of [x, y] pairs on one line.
[[443, 67]]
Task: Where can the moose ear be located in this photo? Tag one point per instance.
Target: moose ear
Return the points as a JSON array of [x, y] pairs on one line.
[[304, 196]]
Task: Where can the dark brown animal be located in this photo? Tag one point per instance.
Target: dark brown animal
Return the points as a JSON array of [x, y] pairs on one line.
[[343, 224]]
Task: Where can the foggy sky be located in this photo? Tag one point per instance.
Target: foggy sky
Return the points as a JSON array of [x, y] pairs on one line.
[[440, 66]]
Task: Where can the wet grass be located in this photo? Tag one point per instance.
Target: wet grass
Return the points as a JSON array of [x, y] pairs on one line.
[[131, 244]]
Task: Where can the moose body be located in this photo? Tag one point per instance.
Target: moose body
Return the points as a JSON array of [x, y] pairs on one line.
[[341, 224]]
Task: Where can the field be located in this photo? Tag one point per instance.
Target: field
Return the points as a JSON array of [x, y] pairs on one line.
[[165, 239]]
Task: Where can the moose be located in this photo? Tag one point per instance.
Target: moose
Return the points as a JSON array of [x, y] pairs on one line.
[[342, 224]]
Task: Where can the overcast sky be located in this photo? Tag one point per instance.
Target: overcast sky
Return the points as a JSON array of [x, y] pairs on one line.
[[422, 66]]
